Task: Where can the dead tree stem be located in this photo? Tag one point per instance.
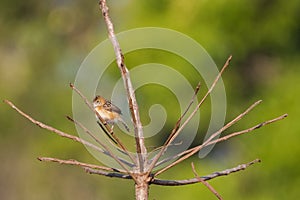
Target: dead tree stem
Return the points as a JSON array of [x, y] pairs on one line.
[[133, 106]]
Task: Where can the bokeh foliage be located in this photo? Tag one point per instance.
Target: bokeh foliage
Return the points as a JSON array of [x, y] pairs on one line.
[[44, 42]]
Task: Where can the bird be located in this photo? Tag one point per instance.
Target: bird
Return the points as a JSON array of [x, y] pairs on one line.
[[109, 112]]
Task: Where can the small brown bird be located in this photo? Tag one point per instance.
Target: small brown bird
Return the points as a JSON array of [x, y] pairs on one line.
[[110, 113]]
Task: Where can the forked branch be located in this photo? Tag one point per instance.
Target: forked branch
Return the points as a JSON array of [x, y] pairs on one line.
[[188, 153], [141, 168], [164, 182], [174, 134], [120, 161]]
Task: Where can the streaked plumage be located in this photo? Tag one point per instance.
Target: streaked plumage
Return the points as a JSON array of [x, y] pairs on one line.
[[108, 111]]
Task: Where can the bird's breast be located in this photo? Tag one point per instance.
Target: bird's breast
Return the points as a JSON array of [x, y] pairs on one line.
[[106, 115]]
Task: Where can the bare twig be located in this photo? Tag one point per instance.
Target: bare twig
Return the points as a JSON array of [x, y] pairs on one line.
[[87, 131], [133, 106], [99, 142], [62, 134], [205, 183], [177, 125], [77, 163], [228, 125], [109, 130], [173, 136], [226, 172], [247, 130], [184, 113], [179, 120], [191, 102], [163, 182], [142, 166], [54, 130], [108, 174], [190, 152]]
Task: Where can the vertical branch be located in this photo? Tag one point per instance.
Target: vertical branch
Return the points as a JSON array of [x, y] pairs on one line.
[[138, 131]]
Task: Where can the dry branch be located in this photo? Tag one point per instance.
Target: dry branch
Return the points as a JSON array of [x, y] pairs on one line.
[[108, 131], [80, 164], [174, 135], [105, 173], [177, 125], [204, 178], [217, 133], [247, 130], [192, 151], [120, 161], [142, 172], [99, 142], [133, 106], [205, 183], [163, 182]]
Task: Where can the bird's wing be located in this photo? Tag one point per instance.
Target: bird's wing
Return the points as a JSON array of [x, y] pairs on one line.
[[111, 107], [116, 109]]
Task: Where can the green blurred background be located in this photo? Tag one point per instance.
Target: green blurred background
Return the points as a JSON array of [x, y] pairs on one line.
[[44, 42]]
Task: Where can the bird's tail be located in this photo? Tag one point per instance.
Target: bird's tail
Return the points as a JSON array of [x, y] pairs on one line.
[[124, 124]]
